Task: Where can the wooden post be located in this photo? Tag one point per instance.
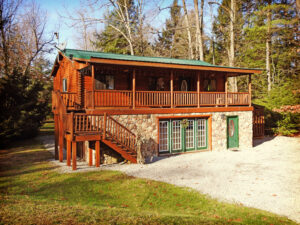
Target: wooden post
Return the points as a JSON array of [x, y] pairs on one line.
[[97, 160], [172, 88], [210, 133], [93, 84], [104, 125], [68, 153], [90, 156], [72, 125], [61, 140], [249, 89], [74, 155], [56, 134], [226, 90], [133, 89], [198, 88]]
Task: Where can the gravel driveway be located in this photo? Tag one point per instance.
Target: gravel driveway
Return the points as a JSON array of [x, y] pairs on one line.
[[265, 177]]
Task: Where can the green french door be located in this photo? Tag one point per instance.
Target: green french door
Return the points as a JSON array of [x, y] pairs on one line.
[[232, 132], [181, 135]]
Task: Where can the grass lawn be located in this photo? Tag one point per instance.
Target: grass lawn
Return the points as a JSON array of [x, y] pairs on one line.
[[32, 192]]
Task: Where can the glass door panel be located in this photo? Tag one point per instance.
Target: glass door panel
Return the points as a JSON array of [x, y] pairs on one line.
[[163, 136], [176, 135], [189, 135], [201, 133]]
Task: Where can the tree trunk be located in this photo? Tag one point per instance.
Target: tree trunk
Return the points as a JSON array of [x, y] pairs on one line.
[[191, 53], [232, 80], [199, 42], [201, 31], [268, 43]]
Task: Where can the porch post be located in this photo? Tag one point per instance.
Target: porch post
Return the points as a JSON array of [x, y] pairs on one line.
[[249, 89], [68, 153], [93, 85], [133, 89], [90, 156], [61, 139], [226, 90], [56, 134], [171, 88], [198, 88], [74, 155], [97, 147]]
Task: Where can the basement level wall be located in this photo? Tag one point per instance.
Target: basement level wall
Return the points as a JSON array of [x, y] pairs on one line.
[[147, 127]]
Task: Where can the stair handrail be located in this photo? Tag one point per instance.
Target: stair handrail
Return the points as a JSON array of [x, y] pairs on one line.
[[131, 136]]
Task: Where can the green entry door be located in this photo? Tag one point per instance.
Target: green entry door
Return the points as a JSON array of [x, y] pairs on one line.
[[232, 132]]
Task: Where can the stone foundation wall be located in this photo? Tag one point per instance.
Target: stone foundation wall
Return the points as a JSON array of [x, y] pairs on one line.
[[107, 155], [146, 126]]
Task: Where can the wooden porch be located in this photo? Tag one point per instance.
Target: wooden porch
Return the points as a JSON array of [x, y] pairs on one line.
[[154, 99]]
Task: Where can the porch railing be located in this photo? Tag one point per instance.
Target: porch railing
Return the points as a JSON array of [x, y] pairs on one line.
[[153, 99], [124, 98], [69, 99]]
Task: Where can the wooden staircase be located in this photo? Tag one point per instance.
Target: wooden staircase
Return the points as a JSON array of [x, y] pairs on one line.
[[92, 127], [112, 133]]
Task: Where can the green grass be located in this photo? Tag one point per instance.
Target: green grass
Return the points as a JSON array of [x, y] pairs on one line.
[[47, 128], [32, 192]]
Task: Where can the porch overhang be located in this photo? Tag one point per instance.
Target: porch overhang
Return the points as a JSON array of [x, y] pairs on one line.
[[231, 71]]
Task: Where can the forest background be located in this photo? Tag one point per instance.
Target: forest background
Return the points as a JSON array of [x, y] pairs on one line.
[[239, 33]]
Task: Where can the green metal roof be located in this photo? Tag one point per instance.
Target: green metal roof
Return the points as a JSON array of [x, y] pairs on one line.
[[81, 54]]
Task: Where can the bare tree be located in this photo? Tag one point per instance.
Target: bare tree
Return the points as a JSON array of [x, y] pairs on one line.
[[8, 12], [268, 43], [35, 42], [188, 29], [126, 26], [231, 50], [199, 28], [22, 35]]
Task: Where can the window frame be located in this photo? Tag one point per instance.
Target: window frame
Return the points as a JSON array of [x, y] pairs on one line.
[[64, 85], [183, 147]]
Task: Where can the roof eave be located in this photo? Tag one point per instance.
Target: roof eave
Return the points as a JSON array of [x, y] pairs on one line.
[[170, 66]]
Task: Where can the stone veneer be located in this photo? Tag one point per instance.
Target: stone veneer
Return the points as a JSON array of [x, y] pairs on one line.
[[145, 126]]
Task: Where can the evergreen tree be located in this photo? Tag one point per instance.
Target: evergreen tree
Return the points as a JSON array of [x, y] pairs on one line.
[[168, 41]]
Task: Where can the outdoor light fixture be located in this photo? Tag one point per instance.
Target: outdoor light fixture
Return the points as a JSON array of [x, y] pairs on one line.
[[223, 116]]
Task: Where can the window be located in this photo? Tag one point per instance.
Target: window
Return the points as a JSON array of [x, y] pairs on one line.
[[177, 135], [210, 85], [64, 87], [104, 82]]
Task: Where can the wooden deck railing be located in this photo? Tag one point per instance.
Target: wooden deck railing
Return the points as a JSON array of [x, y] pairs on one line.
[[109, 98], [87, 122], [238, 98], [80, 123], [187, 98], [153, 98], [212, 98], [120, 98], [69, 99]]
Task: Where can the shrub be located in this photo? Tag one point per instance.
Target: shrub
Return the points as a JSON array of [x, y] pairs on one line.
[[24, 105]]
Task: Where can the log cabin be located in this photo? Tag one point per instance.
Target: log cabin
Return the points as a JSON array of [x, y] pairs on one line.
[[123, 107]]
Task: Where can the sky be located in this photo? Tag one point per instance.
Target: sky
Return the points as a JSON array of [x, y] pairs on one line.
[[57, 8]]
